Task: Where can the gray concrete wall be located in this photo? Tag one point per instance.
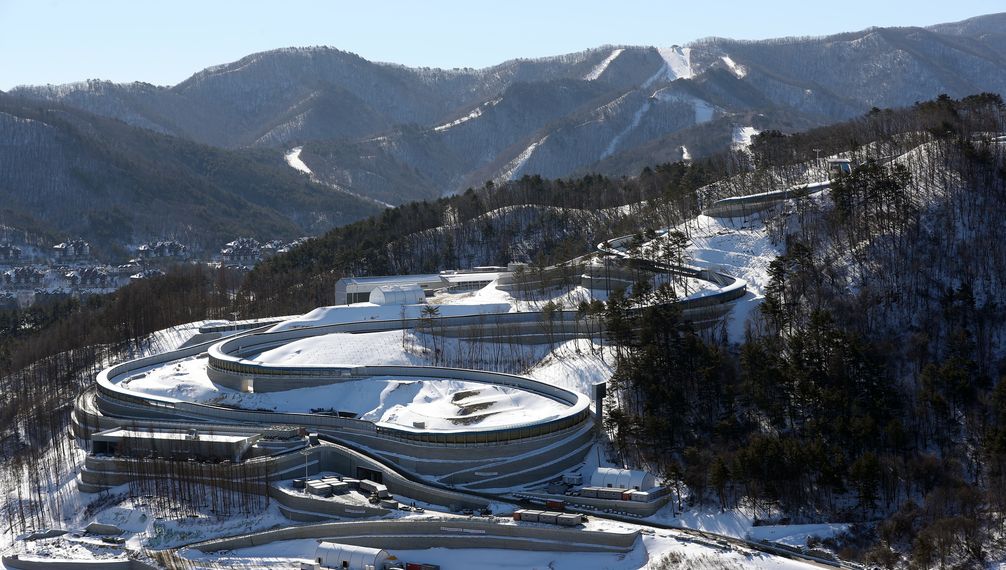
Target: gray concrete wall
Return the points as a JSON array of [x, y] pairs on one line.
[[38, 563], [323, 506], [101, 472], [634, 508], [449, 533]]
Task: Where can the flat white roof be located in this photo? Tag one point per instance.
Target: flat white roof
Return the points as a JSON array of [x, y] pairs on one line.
[[172, 435], [391, 279], [470, 277]]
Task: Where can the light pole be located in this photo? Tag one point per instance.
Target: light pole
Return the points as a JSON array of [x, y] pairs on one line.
[[307, 454]]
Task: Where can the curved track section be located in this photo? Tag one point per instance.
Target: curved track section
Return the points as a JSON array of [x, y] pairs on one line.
[[483, 458]]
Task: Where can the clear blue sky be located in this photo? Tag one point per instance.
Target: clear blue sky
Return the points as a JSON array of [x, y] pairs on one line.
[[163, 42]]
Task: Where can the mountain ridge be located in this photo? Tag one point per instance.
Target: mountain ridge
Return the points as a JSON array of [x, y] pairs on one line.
[[440, 131]]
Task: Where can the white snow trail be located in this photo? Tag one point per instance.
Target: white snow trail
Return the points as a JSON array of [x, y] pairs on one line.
[[599, 68]]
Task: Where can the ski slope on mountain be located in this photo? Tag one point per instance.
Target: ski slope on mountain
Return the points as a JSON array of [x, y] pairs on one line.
[[599, 68]]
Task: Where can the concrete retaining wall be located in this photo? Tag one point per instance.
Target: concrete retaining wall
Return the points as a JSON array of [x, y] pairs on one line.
[[37, 563], [634, 508], [753, 203], [448, 533], [101, 472]]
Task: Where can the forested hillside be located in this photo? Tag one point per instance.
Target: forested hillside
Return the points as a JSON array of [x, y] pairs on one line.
[[869, 390], [69, 173], [531, 220], [399, 134]]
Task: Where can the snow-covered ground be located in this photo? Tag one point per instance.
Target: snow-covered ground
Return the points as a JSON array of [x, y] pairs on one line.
[[293, 159], [740, 247], [371, 312], [704, 110], [474, 114], [742, 137], [677, 61], [739, 70], [440, 404], [576, 365], [512, 170], [174, 337]]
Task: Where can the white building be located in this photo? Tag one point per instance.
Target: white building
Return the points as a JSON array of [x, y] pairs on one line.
[[349, 290], [335, 555], [613, 478], [405, 294]]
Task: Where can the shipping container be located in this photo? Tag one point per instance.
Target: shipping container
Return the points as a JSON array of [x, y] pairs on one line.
[[517, 514], [609, 494], [530, 516], [379, 489], [555, 505], [572, 479], [548, 517], [568, 519]]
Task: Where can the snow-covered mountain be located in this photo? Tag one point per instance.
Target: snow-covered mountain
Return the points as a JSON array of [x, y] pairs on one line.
[[395, 133]]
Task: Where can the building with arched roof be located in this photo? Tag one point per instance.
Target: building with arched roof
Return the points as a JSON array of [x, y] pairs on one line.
[[614, 478], [335, 555], [410, 294]]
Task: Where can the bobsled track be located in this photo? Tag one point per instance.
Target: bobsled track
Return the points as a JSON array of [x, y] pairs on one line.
[[460, 468], [442, 465], [462, 459]]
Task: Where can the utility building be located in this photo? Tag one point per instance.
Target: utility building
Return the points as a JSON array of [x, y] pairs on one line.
[[609, 477], [408, 294], [335, 555], [349, 290], [215, 444]]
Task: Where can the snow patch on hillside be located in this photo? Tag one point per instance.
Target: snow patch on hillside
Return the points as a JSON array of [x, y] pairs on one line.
[[476, 113], [677, 65], [576, 365], [704, 110], [599, 68], [739, 70], [513, 168], [636, 118], [293, 159], [742, 137]]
